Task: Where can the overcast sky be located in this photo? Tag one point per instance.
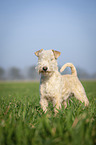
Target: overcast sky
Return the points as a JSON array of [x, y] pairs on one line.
[[68, 26]]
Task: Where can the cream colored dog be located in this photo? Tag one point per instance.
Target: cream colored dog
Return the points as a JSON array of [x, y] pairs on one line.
[[54, 86]]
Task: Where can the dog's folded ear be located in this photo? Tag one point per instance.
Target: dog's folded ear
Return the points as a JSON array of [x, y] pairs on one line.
[[37, 52], [56, 53]]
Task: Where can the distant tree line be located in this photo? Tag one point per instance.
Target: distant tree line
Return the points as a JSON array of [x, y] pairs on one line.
[[31, 73], [15, 73]]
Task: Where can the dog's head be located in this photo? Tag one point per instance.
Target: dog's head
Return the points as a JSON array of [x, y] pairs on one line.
[[47, 61]]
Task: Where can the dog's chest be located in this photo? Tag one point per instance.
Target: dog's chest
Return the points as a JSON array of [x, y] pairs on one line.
[[50, 88]]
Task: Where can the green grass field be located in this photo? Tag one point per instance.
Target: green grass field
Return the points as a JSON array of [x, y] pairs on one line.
[[22, 121]]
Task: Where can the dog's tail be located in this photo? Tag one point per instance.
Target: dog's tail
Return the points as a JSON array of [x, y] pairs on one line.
[[73, 69]]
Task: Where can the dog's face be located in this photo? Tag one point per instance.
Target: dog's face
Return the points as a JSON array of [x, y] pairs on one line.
[[47, 63]]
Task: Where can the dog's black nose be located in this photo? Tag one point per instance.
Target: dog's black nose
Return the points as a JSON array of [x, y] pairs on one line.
[[45, 68]]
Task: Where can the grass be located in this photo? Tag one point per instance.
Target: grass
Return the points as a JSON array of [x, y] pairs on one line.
[[22, 121]]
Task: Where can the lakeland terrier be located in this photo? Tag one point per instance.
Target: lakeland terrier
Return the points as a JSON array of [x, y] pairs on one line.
[[54, 86]]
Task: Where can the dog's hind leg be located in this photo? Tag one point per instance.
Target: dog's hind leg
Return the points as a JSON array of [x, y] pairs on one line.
[[81, 96]]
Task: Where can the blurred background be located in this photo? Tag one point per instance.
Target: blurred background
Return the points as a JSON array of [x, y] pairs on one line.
[[29, 25]]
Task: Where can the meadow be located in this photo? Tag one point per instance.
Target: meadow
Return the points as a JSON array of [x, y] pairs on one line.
[[22, 121]]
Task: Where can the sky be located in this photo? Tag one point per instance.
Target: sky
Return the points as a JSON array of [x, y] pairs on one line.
[[68, 26]]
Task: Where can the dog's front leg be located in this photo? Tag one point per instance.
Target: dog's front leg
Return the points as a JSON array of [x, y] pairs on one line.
[[44, 104], [65, 104], [56, 105]]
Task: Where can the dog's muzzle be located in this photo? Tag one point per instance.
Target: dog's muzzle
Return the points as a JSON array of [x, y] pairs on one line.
[[45, 70]]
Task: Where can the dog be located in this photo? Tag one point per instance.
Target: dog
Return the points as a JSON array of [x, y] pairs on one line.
[[54, 86]]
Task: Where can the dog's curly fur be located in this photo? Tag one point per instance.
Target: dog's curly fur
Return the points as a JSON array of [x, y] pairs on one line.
[[54, 86]]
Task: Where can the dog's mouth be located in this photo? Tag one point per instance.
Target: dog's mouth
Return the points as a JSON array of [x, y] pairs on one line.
[[44, 72]]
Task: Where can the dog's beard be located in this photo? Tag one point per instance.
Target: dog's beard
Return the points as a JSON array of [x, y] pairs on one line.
[[46, 73]]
